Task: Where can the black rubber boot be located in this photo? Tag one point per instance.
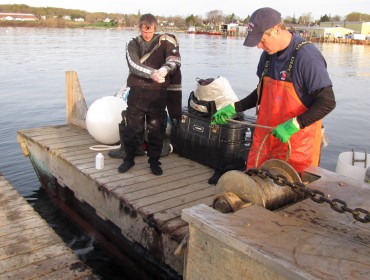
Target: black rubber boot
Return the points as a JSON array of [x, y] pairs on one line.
[[120, 153], [128, 161], [125, 166], [175, 135], [155, 166]]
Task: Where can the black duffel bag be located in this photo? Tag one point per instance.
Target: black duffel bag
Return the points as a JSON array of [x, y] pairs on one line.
[[201, 108]]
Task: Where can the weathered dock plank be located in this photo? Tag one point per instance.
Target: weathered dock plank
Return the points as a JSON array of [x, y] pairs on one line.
[[145, 208], [29, 248]]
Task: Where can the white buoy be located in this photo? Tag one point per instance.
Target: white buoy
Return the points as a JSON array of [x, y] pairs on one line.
[[103, 117], [353, 165]]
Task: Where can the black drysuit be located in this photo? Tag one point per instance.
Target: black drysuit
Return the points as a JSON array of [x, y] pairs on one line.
[[147, 100]]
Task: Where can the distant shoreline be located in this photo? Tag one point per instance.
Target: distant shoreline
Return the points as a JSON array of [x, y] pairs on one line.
[[59, 24], [67, 24], [163, 30]]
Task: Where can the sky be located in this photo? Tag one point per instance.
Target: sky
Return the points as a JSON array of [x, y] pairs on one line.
[[184, 8]]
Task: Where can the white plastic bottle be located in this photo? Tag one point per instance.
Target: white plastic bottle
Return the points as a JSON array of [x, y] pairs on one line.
[[99, 161]]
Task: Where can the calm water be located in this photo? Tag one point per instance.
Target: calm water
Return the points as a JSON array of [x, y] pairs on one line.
[[32, 89]]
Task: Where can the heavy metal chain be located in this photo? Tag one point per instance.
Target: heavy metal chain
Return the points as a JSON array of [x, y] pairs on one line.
[[318, 196]]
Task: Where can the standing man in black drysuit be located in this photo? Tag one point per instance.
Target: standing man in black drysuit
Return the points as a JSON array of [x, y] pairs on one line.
[[152, 59]]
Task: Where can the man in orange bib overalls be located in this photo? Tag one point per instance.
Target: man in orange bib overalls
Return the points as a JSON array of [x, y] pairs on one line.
[[293, 95]]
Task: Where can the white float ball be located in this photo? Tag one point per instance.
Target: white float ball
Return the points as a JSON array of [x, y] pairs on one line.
[[103, 117]]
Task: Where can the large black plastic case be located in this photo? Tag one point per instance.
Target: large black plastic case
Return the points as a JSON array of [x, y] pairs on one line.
[[215, 145]]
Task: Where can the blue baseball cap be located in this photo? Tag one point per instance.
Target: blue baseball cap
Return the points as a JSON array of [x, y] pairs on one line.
[[261, 20]]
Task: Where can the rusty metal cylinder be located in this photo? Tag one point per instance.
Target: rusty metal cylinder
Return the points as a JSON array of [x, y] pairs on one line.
[[260, 191]]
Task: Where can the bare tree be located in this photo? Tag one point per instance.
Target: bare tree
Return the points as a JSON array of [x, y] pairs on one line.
[[335, 18], [215, 17], [305, 19]]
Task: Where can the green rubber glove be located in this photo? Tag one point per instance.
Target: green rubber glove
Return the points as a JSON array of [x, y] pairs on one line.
[[221, 116], [284, 131]]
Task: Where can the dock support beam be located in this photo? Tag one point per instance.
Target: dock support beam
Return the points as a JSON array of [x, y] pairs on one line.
[[76, 105]]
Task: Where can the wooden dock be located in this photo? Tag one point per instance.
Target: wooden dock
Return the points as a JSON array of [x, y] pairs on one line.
[[145, 209], [29, 248], [135, 215], [140, 214]]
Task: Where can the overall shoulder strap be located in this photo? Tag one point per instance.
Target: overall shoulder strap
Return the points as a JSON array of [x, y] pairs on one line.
[[260, 83], [292, 59]]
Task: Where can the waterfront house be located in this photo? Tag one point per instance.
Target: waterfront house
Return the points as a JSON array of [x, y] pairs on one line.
[[17, 17], [233, 29], [324, 32], [357, 26]]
